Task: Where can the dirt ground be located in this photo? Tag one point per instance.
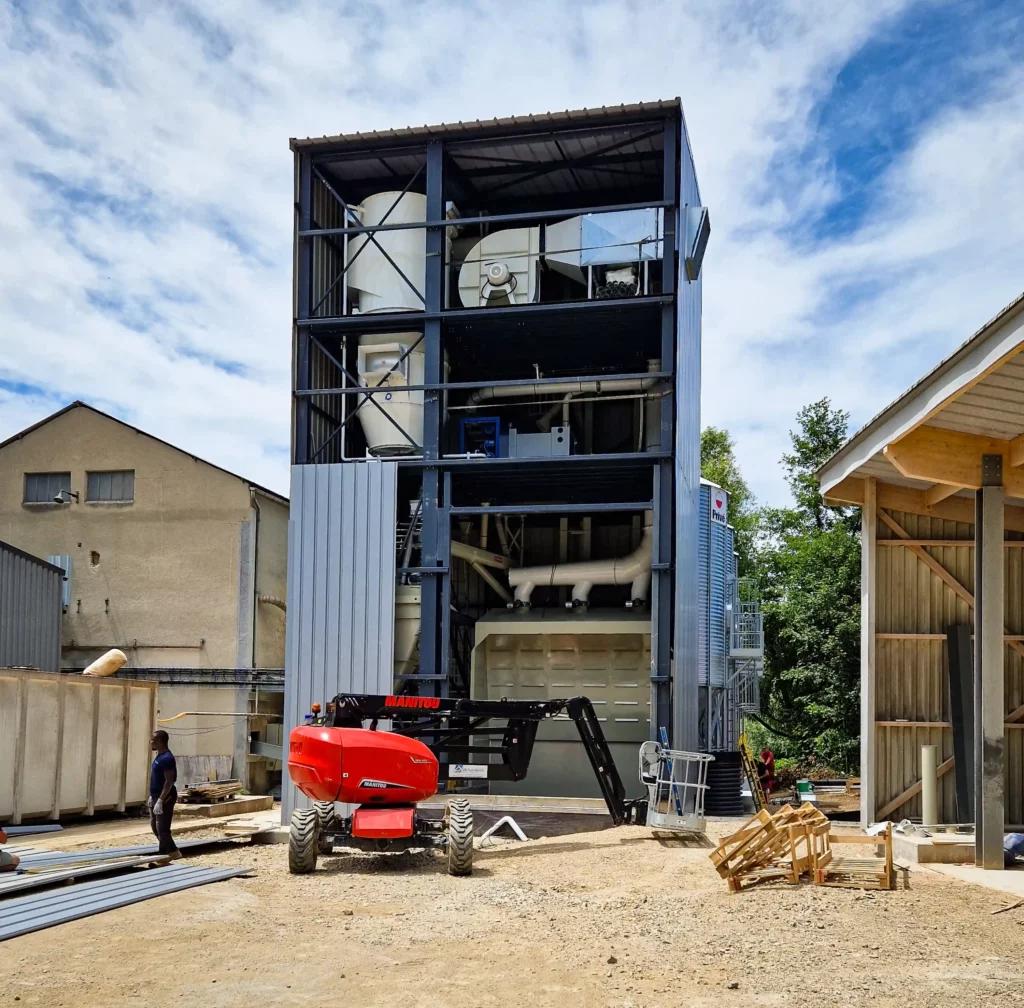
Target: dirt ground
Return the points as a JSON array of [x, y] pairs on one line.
[[612, 918]]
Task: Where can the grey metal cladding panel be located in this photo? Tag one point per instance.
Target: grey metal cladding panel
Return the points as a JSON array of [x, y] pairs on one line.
[[721, 559], [341, 586], [703, 568], [25, 914], [30, 611], [687, 494], [11, 882]]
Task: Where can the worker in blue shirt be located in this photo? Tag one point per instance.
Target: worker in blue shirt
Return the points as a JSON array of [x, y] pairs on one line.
[[163, 794]]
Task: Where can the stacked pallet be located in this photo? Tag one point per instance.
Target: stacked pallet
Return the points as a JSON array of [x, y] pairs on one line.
[[209, 793], [795, 843]]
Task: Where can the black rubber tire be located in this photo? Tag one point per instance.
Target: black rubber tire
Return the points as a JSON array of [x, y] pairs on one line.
[[302, 841], [324, 820], [460, 837]]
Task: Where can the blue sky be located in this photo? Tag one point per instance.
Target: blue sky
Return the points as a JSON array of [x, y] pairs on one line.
[[862, 160]]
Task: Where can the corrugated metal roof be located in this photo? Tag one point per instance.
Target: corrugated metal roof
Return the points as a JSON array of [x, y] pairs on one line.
[[980, 406], [570, 118]]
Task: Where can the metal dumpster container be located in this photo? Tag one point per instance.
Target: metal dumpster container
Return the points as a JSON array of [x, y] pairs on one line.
[[72, 743]]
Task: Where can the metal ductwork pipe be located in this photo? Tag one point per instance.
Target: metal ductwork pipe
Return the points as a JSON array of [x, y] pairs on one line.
[[572, 388], [634, 570]]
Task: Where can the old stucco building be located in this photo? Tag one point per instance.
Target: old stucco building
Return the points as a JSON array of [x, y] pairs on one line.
[[178, 562]]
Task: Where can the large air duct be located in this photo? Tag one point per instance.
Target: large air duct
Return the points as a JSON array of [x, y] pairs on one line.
[[634, 570]]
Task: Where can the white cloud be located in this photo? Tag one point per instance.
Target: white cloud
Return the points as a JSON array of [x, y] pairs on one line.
[[185, 139]]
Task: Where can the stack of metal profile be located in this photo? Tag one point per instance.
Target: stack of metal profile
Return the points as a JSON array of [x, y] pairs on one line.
[[38, 895]]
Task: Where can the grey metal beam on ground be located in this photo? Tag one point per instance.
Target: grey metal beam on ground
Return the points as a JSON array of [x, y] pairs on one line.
[[12, 882], [26, 914]]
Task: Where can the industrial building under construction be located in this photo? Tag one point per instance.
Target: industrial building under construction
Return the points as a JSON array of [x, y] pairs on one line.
[[496, 486]]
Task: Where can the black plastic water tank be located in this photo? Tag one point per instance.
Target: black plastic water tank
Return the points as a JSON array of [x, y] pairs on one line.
[[724, 796]]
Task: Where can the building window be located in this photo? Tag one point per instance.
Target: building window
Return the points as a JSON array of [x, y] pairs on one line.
[[42, 488], [117, 487]]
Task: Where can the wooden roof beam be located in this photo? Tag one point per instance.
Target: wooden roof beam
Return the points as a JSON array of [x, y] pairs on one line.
[[939, 492], [952, 458], [900, 498]]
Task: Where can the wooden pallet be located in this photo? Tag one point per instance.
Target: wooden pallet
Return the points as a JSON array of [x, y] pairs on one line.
[[783, 846], [846, 872]]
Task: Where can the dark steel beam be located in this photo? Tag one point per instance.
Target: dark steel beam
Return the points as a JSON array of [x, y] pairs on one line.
[[510, 218], [541, 509], [635, 458], [388, 322], [497, 383]]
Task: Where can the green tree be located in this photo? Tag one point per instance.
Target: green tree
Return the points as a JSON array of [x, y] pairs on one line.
[[718, 464], [808, 569], [820, 432]]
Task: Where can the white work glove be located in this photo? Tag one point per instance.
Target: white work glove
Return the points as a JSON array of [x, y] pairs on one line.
[[158, 807], [149, 804]]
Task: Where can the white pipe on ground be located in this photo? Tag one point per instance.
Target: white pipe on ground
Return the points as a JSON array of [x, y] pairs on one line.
[[634, 570]]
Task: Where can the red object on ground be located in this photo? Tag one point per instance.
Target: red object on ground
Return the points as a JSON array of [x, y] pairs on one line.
[[360, 766], [383, 823]]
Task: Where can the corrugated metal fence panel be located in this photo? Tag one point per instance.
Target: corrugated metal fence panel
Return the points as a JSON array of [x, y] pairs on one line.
[[30, 610], [703, 569], [912, 678], [341, 587]]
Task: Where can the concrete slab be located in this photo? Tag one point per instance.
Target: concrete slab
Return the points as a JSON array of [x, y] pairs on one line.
[[947, 849], [275, 835], [231, 807], [1009, 881]]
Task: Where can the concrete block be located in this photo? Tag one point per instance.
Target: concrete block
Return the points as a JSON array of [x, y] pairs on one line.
[[946, 848]]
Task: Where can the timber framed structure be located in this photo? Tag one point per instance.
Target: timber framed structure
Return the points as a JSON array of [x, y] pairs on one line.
[[939, 477]]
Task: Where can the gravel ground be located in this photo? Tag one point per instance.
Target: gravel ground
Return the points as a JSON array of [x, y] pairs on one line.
[[616, 918]]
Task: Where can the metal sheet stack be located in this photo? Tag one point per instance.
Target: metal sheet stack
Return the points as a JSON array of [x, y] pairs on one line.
[[45, 889]]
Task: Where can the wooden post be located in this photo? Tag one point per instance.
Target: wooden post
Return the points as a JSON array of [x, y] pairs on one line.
[[989, 703], [868, 581]]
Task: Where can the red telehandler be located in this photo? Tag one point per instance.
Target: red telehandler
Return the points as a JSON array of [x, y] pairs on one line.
[[334, 758]]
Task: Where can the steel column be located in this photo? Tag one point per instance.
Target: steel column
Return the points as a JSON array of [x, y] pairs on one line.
[[435, 533], [661, 604], [989, 731], [303, 301]]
